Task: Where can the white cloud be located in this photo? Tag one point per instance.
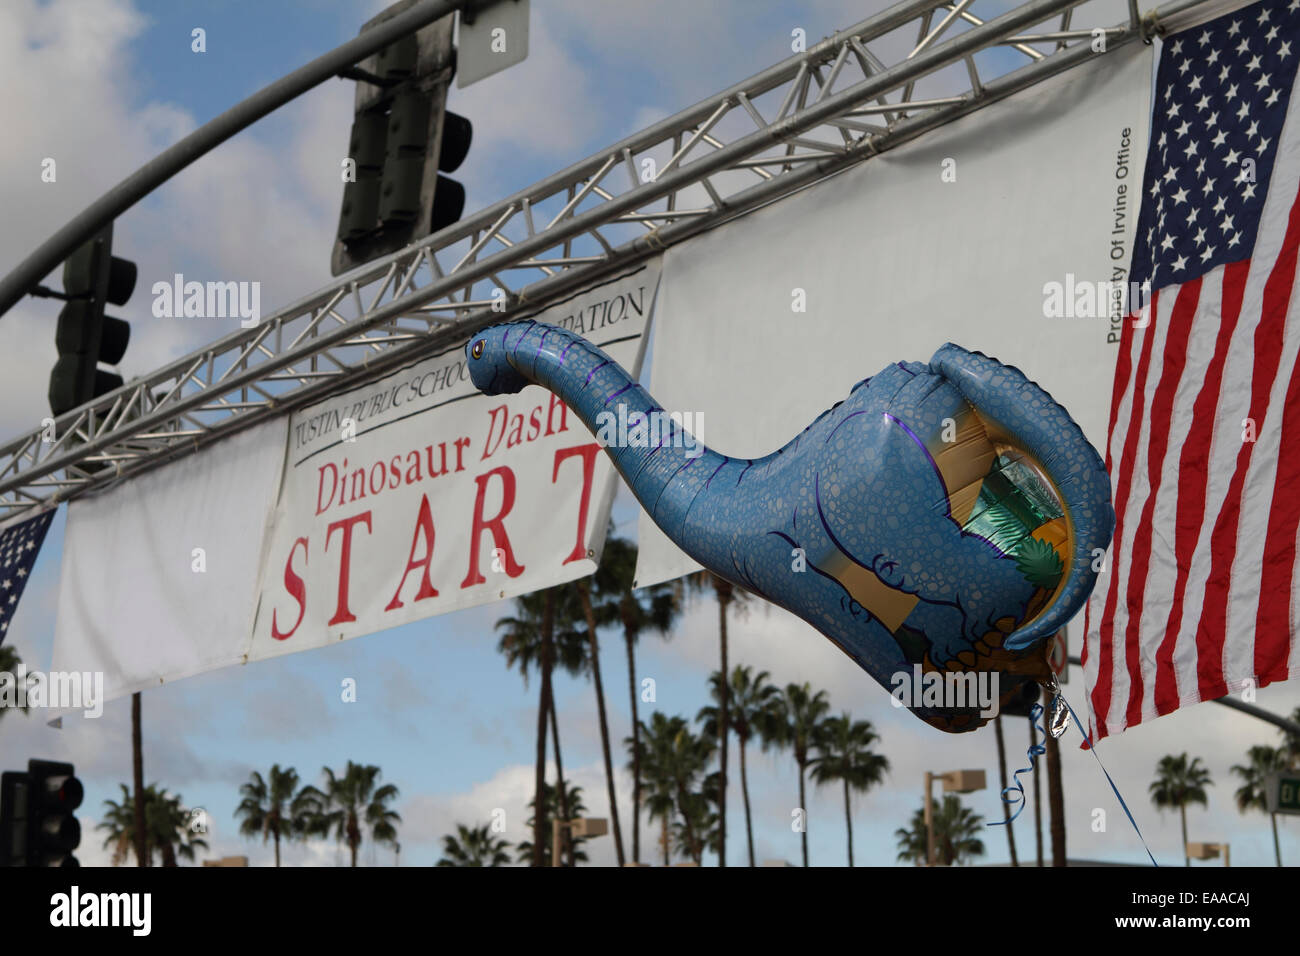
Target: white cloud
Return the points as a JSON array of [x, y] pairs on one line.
[[258, 208], [428, 817]]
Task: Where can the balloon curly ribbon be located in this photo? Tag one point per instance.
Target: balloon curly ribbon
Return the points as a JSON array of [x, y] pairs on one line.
[[1017, 789]]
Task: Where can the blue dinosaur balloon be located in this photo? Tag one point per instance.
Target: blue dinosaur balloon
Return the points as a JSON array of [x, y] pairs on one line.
[[947, 514]]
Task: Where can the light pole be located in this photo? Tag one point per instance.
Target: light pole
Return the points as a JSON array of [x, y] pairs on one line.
[[581, 827], [954, 781]]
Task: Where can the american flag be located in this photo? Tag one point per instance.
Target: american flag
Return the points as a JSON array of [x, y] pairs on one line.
[[20, 542], [1199, 599]]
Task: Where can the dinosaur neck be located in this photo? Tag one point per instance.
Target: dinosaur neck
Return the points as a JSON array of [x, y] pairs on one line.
[[647, 446]]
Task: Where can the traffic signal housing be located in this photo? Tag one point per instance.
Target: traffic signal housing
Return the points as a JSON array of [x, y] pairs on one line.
[[92, 278], [403, 138], [37, 825]]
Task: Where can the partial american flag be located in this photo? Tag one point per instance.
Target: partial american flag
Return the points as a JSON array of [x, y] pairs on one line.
[[20, 542], [1199, 596]]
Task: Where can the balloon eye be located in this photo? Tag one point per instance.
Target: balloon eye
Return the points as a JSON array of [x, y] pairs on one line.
[[477, 351]]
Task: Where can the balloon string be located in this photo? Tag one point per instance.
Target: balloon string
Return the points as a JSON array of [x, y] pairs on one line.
[[1017, 789], [1118, 796]]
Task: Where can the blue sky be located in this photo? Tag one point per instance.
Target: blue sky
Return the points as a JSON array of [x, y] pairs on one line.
[[104, 84]]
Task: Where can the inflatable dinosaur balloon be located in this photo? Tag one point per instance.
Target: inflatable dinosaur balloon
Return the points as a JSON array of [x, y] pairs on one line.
[[942, 519]]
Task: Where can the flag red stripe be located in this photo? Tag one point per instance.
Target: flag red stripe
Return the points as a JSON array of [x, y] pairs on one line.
[[1101, 696], [1162, 413], [1212, 628], [1123, 370], [1193, 475], [1273, 620]]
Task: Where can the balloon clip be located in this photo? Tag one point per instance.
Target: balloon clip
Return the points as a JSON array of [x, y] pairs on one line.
[[1059, 715]]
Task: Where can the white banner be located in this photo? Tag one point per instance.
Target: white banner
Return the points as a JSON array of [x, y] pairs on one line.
[[970, 234], [159, 577], [411, 496], [416, 495]]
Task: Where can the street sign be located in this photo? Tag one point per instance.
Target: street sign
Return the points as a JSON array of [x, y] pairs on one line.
[[492, 38], [1059, 656], [1282, 792]]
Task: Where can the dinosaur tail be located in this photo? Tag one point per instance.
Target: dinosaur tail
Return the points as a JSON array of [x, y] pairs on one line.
[[1023, 415]]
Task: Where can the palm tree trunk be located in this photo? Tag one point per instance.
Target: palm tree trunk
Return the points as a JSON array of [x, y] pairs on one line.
[[1002, 772], [848, 820], [663, 838], [566, 841], [744, 792], [1277, 849], [277, 848], [723, 590], [137, 775], [1056, 800], [630, 639], [543, 704], [1038, 802], [1182, 811], [585, 595], [803, 833], [352, 845]]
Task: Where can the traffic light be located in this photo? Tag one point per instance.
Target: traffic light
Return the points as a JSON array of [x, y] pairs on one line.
[[37, 826], [92, 278], [403, 138], [53, 792]]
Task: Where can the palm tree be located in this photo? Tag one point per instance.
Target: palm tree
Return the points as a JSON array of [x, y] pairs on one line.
[[689, 758], [583, 590], [844, 754], [956, 839], [119, 824], [571, 796], [1263, 760], [531, 639], [137, 781], [726, 594], [167, 827], [799, 714], [652, 609], [1038, 798], [1055, 799], [1180, 782], [696, 830], [168, 824], [754, 711], [351, 803], [675, 763], [648, 749], [474, 846], [275, 807]]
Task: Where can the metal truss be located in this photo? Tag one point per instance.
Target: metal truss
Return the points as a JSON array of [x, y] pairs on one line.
[[834, 105]]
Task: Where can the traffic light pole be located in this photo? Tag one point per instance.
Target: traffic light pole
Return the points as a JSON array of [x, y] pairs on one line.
[[171, 161]]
